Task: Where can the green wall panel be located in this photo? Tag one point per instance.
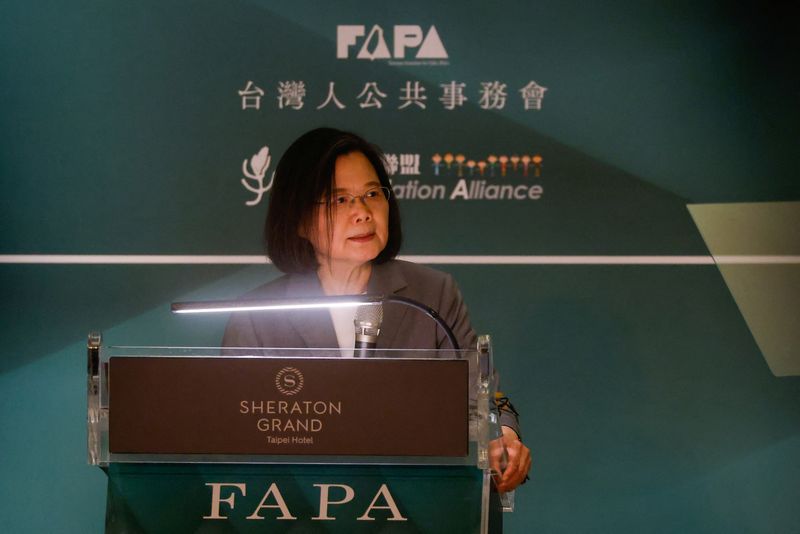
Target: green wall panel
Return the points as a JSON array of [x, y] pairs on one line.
[[644, 397]]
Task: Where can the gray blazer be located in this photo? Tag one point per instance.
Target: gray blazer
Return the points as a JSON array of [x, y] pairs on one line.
[[403, 327]]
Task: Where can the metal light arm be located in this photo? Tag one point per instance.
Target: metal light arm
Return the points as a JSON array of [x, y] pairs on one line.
[[309, 303]]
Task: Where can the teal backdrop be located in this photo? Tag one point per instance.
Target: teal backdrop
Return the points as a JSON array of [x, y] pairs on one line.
[[130, 129]]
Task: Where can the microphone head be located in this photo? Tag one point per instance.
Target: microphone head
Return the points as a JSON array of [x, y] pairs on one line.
[[368, 319]]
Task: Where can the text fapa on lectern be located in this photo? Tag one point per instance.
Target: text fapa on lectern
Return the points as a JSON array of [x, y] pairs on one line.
[[294, 440]]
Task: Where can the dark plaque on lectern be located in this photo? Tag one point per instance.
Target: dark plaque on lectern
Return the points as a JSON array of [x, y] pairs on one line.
[[290, 406]]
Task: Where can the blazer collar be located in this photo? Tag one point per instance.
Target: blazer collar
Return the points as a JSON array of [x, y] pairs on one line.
[[385, 279]]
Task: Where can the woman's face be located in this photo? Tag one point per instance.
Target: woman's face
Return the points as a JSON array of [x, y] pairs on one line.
[[361, 225]]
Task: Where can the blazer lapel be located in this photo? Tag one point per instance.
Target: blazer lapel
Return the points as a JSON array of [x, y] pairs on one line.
[[387, 279], [315, 327]]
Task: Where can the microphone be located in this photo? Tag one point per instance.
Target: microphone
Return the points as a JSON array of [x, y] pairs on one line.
[[367, 322]]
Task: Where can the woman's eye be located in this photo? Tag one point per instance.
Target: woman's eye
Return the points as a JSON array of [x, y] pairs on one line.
[[372, 193], [341, 200]]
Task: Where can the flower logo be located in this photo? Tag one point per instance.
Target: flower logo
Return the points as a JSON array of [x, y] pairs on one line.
[[255, 169]]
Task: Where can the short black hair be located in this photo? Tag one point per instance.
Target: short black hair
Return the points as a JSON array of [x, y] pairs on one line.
[[304, 175]]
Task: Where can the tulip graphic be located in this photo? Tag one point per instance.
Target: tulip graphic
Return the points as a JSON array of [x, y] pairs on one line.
[[537, 165], [471, 166], [448, 160], [460, 164], [492, 159], [526, 160], [437, 161], [503, 165]]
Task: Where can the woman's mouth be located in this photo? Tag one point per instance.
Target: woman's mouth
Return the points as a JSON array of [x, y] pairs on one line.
[[362, 238]]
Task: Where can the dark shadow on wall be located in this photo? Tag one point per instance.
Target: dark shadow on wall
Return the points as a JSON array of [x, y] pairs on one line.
[[47, 307]]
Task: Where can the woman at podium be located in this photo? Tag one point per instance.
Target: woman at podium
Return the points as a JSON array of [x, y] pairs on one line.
[[333, 227]]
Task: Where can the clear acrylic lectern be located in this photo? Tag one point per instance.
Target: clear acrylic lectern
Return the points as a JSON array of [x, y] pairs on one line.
[[295, 440]]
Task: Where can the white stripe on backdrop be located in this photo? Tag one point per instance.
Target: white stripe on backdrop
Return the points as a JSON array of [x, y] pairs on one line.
[[146, 259]]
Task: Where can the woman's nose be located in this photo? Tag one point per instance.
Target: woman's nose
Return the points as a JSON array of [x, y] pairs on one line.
[[360, 209]]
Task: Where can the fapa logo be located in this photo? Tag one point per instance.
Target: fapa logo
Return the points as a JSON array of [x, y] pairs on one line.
[[374, 46]]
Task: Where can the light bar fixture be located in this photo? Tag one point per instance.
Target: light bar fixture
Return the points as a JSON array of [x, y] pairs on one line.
[[220, 306]]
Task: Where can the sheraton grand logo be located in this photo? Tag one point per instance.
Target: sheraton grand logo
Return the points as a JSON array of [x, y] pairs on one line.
[[443, 175], [289, 381]]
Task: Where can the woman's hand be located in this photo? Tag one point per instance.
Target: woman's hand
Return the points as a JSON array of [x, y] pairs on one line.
[[518, 460]]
